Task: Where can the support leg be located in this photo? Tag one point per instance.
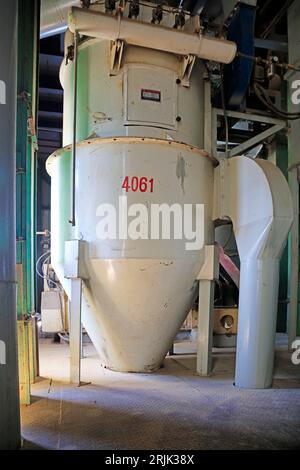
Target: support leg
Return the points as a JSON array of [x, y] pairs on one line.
[[75, 332], [205, 327]]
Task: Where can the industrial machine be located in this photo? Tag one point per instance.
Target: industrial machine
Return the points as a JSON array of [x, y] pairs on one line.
[[137, 136]]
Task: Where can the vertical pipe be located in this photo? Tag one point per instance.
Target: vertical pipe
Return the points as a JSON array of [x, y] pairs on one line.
[[73, 191], [259, 281], [261, 225], [9, 385]]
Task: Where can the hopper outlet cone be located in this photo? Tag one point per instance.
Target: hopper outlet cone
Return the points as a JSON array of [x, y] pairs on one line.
[[138, 289]]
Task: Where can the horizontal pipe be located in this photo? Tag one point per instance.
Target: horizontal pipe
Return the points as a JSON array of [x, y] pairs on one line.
[[113, 27]]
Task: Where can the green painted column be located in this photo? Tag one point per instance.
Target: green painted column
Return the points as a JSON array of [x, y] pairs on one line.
[[9, 391], [26, 153], [28, 40], [294, 161]]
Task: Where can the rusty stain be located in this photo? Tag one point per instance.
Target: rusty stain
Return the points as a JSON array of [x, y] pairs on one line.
[[180, 171]]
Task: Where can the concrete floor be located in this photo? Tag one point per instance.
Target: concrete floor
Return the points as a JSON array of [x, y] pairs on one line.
[[171, 409]]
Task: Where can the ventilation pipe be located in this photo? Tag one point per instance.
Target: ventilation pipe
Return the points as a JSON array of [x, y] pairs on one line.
[[139, 33], [54, 20], [255, 196]]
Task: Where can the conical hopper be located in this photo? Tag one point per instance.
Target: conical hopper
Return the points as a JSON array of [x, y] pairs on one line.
[[138, 291]]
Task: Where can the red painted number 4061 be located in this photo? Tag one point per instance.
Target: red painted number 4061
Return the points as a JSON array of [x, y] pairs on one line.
[[134, 183]]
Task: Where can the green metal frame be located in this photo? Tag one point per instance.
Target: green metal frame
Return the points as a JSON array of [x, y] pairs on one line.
[[26, 159], [282, 163], [28, 13]]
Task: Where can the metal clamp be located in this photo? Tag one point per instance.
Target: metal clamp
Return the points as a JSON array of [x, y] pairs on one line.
[[116, 53], [186, 66]]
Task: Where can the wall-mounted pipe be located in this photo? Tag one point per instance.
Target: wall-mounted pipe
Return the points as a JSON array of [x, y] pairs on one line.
[[113, 27], [255, 196], [73, 188]]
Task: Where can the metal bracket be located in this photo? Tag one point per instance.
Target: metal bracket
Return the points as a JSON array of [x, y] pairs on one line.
[[116, 53], [185, 69], [240, 149]]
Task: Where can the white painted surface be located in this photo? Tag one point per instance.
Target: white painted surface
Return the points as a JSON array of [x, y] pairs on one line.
[[147, 35], [106, 109], [52, 312], [139, 291], [255, 196]]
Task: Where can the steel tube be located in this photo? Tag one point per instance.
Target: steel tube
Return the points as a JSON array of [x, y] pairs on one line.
[[257, 322], [73, 194]]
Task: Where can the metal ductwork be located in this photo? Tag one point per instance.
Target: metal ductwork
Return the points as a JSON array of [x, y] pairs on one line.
[[139, 33]]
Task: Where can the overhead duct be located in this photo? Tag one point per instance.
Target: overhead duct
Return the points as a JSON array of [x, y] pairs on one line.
[[54, 20], [139, 33]]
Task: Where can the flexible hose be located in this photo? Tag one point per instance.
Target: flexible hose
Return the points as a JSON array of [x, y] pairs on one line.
[[262, 95]]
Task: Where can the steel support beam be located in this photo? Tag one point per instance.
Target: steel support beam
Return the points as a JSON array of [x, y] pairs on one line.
[[208, 117], [75, 331], [209, 272], [250, 143], [293, 261], [9, 385], [293, 322], [74, 270], [205, 327], [277, 125], [249, 116], [28, 34]]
